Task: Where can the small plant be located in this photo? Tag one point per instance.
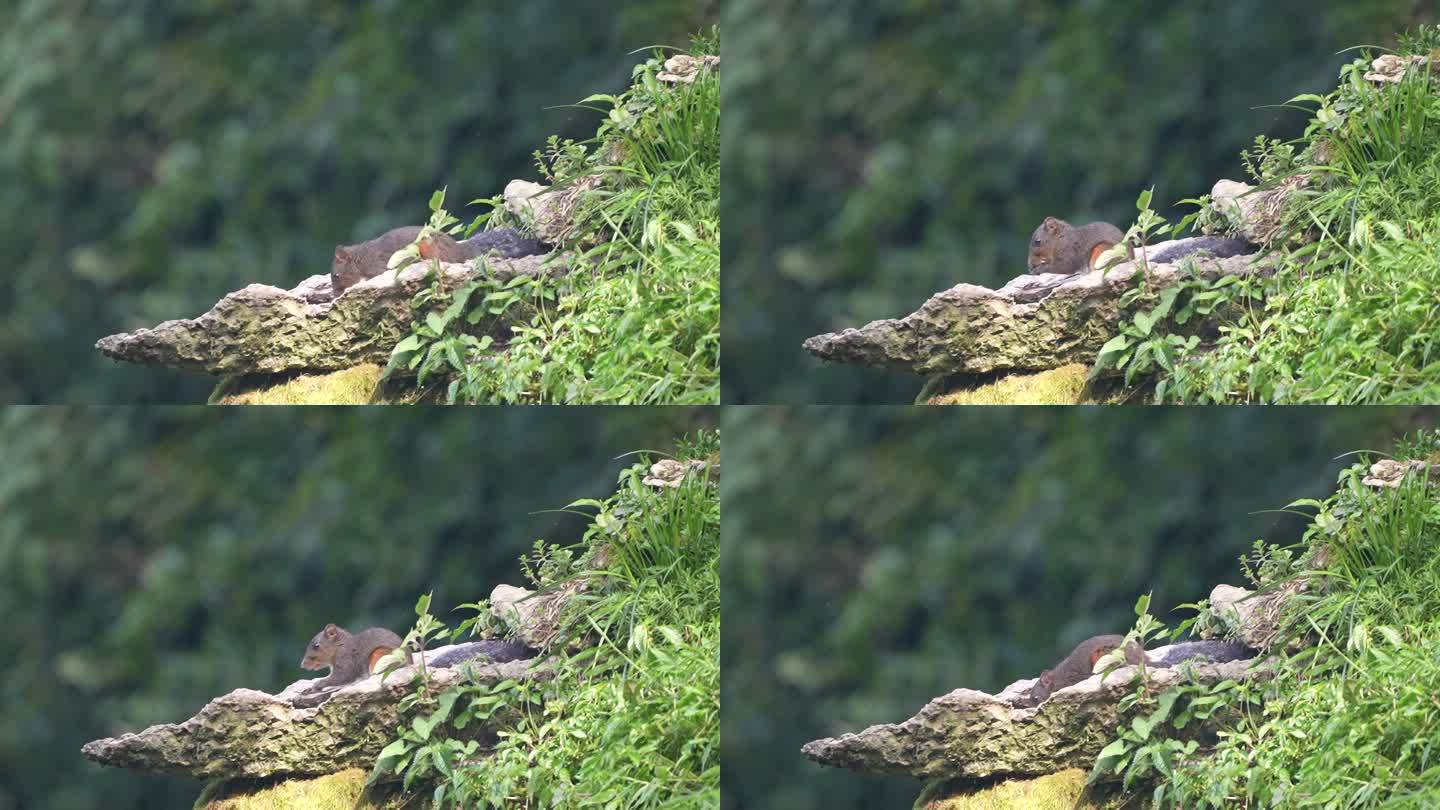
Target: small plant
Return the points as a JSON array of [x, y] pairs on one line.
[[1152, 340]]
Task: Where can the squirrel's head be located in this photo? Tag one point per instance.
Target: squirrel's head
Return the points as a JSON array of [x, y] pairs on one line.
[[1043, 243], [342, 274], [1042, 689], [320, 652]]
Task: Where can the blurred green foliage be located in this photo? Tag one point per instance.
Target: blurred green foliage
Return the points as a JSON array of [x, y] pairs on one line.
[[151, 559], [874, 558], [157, 155], [896, 149]]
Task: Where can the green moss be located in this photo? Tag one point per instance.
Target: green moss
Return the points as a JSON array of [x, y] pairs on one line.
[[352, 386], [337, 791], [1056, 791], [1058, 386]]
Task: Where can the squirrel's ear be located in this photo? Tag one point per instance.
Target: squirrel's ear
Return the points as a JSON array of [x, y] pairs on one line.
[[1052, 223], [331, 629], [341, 252]]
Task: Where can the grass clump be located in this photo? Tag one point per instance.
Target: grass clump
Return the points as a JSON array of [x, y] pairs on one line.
[[1350, 315], [1057, 386], [337, 791], [1349, 718], [1065, 790], [359, 385], [637, 321], [632, 716]]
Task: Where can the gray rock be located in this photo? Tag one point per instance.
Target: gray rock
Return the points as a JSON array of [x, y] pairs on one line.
[[969, 734], [1387, 473], [550, 213], [1254, 619], [250, 734], [1034, 323], [532, 618], [266, 330], [1256, 214]]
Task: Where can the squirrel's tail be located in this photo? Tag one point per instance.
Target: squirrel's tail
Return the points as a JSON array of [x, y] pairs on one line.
[[491, 651]]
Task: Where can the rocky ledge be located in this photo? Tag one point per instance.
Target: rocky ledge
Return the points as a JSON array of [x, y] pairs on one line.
[[261, 329], [973, 735], [1043, 321], [969, 734], [266, 330], [251, 734], [248, 733]]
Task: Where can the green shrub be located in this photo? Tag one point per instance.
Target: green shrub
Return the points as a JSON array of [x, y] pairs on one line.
[[1350, 316], [1349, 718], [638, 320], [631, 718]]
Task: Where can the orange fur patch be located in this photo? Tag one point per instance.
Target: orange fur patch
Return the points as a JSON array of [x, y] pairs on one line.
[[1096, 251], [1098, 653], [376, 654]]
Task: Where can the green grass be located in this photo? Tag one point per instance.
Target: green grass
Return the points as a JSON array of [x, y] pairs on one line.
[[1351, 316], [1351, 720], [632, 717], [638, 320]]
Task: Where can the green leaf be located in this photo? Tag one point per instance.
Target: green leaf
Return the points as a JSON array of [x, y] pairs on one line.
[[394, 749], [1112, 347], [409, 344], [1142, 727], [1114, 749]]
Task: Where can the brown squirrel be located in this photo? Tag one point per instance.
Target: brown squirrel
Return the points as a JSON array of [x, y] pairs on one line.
[[355, 263], [1059, 247], [353, 656], [350, 656], [1079, 665]]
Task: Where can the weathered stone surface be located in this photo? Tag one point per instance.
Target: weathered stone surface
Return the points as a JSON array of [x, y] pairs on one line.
[[1256, 214], [533, 618], [549, 212], [683, 68], [1390, 474], [250, 734], [1035, 322], [670, 474], [1255, 619], [1391, 68], [265, 330], [970, 734]]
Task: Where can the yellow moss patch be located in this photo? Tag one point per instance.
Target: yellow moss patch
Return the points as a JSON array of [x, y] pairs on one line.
[[337, 791], [1058, 386], [1057, 791], [351, 386]]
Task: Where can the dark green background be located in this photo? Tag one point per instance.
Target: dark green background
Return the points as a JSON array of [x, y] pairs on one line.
[[874, 558], [153, 558], [155, 155], [876, 153]]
